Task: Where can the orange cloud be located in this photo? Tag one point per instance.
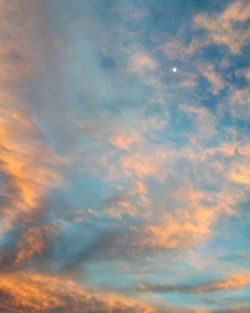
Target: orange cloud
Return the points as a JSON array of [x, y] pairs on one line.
[[190, 223], [244, 150], [240, 173], [237, 11], [24, 159], [182, 227], [234, 282], [31, 292], [27, 163]]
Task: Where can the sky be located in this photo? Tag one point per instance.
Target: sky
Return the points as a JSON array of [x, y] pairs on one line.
[[124, 156]]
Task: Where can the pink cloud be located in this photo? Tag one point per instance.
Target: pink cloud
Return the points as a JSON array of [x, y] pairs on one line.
[[140, 62], [221, 29], [123, 141], [209, 72]]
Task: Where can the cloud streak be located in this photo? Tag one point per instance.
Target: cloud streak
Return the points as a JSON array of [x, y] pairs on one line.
[[239, 281]]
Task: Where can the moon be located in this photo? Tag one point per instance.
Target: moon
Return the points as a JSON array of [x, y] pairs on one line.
[[174, 69]]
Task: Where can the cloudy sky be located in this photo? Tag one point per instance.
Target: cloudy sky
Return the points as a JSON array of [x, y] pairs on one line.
[[124, 156]]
